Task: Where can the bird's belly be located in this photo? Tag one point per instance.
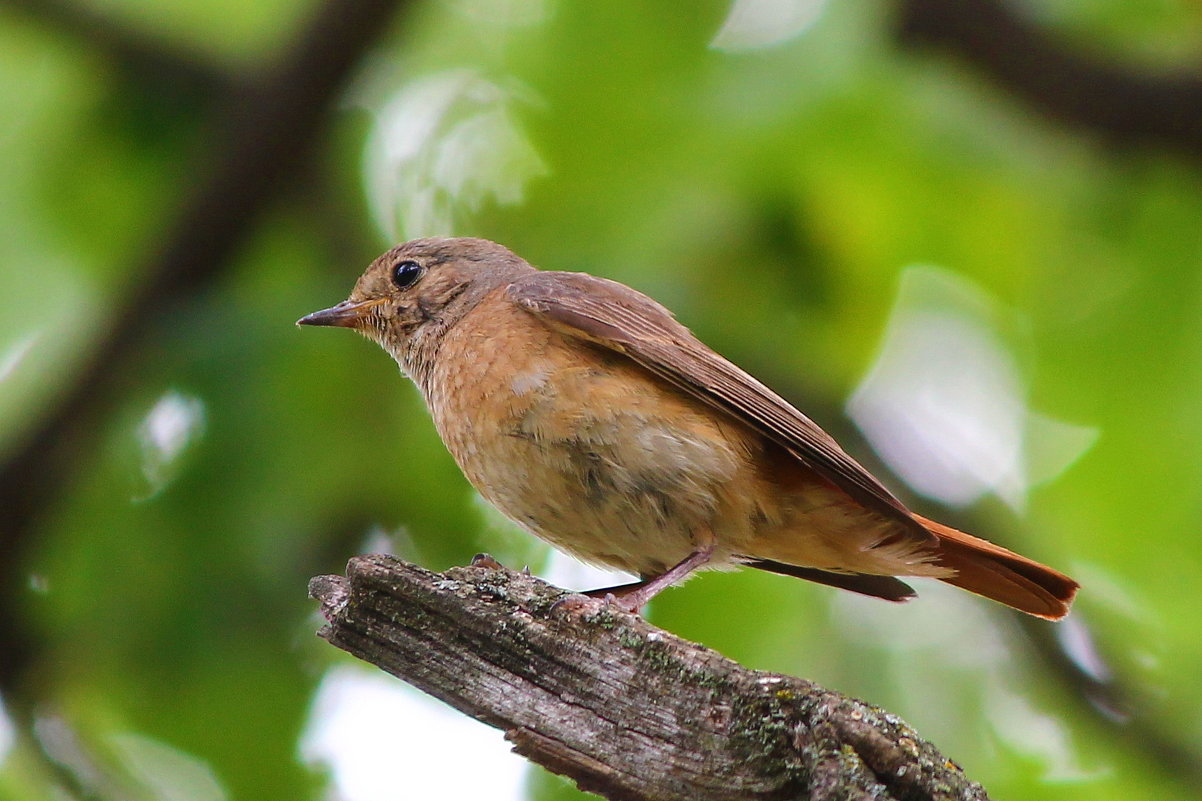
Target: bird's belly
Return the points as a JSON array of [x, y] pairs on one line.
[[598, 501], [593, 454]]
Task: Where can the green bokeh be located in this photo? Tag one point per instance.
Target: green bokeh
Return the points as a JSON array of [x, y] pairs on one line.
[[772, 198]]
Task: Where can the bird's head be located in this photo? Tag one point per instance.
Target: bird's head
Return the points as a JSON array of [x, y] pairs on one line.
[[407, 298]]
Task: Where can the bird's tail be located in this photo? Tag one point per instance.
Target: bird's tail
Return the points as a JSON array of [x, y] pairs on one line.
[[1004, 576]]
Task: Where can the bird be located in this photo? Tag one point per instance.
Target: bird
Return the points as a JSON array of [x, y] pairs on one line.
[[593, 419]]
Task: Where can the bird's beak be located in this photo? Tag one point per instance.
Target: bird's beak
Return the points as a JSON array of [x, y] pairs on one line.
[[346, 314]]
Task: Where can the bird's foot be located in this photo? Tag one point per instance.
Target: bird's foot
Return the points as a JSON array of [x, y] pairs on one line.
[[486, 561], [578, 604]]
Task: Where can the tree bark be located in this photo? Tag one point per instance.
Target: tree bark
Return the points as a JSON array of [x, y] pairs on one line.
[[626, 710]]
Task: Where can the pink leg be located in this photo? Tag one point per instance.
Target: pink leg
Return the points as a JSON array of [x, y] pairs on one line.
[[633, 597]]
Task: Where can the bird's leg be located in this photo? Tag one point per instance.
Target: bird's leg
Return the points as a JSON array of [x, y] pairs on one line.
[[633, 597]]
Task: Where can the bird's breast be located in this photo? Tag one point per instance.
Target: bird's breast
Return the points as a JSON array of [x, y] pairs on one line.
[[580, 445], [590, 451]]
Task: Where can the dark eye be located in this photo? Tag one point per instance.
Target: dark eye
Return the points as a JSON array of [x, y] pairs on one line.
[[406, 273]]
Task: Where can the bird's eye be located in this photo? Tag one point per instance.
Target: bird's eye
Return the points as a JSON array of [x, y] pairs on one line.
[[406, 273]]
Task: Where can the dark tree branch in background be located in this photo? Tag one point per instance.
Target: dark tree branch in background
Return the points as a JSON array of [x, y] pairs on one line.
[[265, 135], [142, 57], [1129, 716], [1077, 89], [626, 710]]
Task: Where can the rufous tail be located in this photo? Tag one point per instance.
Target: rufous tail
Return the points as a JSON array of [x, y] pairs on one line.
[[1004, 576]]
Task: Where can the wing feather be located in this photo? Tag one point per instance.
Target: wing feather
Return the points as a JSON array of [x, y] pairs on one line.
[[615, 316]]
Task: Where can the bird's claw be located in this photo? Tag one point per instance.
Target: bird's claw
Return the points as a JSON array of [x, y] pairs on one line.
[[486, 561], [575, 604], [578, 604]]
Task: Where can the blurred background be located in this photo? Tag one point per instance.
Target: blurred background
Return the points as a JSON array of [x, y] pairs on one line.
[[965, 237]]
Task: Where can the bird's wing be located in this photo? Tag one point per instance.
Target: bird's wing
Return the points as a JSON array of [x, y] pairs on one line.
[[622, 319]]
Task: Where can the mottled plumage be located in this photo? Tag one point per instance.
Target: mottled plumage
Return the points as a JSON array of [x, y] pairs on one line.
[[587, 414]]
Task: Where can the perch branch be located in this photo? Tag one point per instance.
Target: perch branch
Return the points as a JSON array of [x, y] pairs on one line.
[[1122, 708], [626, 710]]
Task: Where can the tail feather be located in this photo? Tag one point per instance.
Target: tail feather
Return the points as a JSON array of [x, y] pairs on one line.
[[1004, 576], [887, 587]]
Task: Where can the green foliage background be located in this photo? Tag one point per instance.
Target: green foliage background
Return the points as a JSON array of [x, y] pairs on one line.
[[771, 197]]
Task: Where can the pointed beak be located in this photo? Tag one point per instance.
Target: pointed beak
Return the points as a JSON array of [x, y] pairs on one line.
[[346, 314]]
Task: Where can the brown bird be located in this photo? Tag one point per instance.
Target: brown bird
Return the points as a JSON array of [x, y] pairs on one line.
[[593, 419]]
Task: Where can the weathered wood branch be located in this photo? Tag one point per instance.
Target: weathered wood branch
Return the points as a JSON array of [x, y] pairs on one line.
[[626, 710]]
